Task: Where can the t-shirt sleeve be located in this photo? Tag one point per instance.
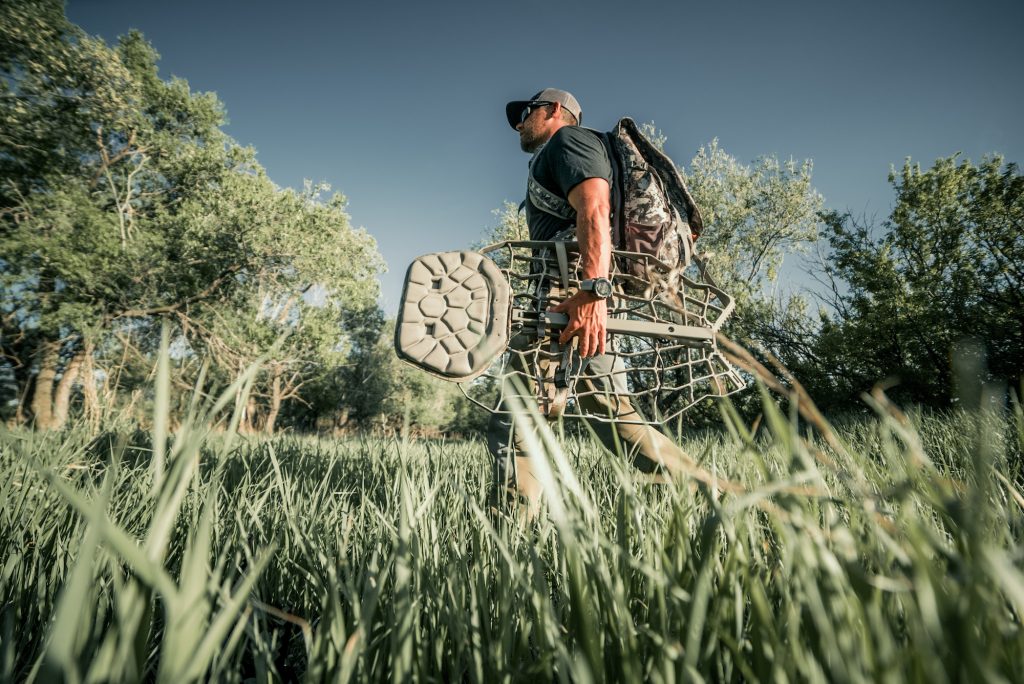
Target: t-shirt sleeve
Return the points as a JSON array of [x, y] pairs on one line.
[[577, 155]]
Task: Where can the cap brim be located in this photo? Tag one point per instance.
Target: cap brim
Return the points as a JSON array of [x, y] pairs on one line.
[[514, 110]]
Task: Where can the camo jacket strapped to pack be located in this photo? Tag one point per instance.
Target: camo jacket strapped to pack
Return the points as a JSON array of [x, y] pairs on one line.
[[653, 212], [674, 185]]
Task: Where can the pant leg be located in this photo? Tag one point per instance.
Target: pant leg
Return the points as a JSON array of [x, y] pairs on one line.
[[604, 393], [506, 441]]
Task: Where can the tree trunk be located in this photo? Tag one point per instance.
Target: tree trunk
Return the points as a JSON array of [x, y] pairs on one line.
[[62, 397], [275, 402], [247, 425], [91, 400], [20, 418], [42, 395]]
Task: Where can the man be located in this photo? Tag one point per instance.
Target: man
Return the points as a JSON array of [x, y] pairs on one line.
[[572, 163]]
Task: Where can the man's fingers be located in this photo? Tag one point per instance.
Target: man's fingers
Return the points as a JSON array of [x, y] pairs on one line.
[[596, 340], [566, 304], [592, 340], [584, 324], [568, 333], [589, 343]]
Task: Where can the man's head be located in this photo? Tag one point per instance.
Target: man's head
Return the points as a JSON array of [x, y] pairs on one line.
[[538, 118]]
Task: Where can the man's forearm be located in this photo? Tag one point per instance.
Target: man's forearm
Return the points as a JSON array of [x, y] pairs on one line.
[[588, 313], [594, 237]]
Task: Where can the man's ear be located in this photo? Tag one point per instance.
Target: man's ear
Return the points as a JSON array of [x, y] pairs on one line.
[[555, 110]]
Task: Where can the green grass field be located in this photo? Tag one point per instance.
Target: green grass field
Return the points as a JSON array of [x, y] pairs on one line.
[[888, 550]]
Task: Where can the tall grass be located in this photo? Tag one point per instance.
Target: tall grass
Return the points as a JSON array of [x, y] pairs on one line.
[[888, 550]]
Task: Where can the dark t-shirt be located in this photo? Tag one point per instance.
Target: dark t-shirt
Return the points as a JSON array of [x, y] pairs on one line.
[[572, 156]]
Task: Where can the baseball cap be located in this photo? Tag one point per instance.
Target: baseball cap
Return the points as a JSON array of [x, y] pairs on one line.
[[514, 109]]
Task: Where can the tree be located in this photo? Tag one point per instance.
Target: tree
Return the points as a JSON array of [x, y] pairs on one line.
[[755, 216], [59, 91], [383, 392], [511, 226], [123, 202], [100, 164], [948, 265], [316, 274]]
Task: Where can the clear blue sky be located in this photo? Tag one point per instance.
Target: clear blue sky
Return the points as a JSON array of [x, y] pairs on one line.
[[400, 105]]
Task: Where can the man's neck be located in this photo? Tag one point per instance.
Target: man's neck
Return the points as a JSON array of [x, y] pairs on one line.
[[544, 144], [536, 152]]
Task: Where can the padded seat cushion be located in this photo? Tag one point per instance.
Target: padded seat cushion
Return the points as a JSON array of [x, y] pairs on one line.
[[455, 315]]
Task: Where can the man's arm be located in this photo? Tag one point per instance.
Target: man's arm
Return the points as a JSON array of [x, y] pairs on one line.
[[588, 313]]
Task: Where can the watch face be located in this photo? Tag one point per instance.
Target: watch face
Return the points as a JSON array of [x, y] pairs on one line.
[[603, 287]]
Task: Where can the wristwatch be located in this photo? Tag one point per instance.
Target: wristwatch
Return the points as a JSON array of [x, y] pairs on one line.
[[602, 287]]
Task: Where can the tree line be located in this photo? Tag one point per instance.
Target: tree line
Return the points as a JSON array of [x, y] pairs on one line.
[[126, 210]]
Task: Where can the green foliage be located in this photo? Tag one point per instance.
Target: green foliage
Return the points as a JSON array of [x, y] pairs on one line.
[[887, 550], [511, 226], [125, 203], [755, 216], [316, 276], [117, 180], [946, 266], [381, 391]]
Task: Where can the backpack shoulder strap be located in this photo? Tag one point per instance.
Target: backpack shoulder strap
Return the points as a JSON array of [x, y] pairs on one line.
[[547, 201], [618, 221]]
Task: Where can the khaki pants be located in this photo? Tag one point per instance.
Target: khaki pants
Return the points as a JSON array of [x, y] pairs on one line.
[[601, 390]]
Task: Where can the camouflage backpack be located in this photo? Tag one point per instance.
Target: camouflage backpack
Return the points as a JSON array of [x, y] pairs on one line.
[[653, 212]]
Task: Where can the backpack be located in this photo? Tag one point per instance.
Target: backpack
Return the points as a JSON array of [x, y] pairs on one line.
[[653, 212]]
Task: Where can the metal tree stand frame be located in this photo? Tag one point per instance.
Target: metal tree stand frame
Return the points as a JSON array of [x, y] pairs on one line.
[[481, 319]]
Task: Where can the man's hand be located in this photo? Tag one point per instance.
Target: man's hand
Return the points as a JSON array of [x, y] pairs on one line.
[[588, 320]]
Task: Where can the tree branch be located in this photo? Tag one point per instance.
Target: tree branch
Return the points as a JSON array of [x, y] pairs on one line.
[[174, 308]]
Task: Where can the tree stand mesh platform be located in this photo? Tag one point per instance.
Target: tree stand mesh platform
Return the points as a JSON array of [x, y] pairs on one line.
[[481, 319]]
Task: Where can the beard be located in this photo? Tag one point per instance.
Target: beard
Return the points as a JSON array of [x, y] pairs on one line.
[[530, 139]]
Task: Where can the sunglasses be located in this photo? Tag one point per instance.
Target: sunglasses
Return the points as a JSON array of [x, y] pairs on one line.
[[537, 104]]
